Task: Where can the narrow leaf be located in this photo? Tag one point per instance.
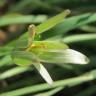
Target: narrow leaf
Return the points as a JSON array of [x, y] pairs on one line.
[[21, 19], [60, 83], [88, 38], [70, 23], [50, 93], [88, 28], [12, 72]]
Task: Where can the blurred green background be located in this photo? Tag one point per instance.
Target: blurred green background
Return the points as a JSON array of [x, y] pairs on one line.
[[78, 30]]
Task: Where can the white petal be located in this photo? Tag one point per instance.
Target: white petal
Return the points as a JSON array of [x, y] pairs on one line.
[[75, 57], [44, 73]]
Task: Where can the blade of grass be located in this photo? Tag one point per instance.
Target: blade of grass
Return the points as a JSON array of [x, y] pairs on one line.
[[88, 28], [76, 22], [67, 82], [69, 24], [80, 38], [21, 19], [12, 72], [50, 93]]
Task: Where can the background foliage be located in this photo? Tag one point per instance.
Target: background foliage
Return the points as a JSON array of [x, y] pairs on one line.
[[78, 31]]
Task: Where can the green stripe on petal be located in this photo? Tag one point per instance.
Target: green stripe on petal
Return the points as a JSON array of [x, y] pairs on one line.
[[63, 56]]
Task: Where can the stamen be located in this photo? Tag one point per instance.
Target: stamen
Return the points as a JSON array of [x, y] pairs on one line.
[[31, 30]]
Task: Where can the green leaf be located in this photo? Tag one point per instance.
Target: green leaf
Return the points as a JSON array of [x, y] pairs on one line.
[[60, 83], [21, 19], [69, 24], [88, 28], [12, 72], [50, 93], [83, 38]]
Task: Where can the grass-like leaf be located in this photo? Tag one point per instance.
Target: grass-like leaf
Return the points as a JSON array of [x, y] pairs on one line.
[[70, 23], [83, 38], [88, 28], [67, 82], [50, 93], [21, 19], [12, 72]]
